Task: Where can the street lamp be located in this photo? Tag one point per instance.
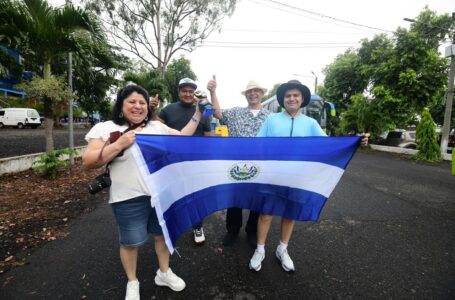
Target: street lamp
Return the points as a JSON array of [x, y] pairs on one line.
[[449, 52], [315, 82]]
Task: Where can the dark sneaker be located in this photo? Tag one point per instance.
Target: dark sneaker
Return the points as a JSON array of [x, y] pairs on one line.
[[229, 239], [252, 239], [199, 237]]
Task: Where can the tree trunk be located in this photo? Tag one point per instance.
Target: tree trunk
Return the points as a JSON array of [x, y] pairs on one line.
[[48, 113], [48, 125], [160, 66]]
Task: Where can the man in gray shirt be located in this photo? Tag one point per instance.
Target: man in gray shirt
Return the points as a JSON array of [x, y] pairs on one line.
[[176, 116]]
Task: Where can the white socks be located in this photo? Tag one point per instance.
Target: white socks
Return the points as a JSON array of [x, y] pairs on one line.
[[282, 248], [261, 249]]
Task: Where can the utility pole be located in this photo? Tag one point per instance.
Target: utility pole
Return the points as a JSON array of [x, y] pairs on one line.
[[70, 102], [315, 82], [450, 51]]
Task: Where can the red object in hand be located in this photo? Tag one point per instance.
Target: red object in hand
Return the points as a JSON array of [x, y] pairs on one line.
[[113, 137]]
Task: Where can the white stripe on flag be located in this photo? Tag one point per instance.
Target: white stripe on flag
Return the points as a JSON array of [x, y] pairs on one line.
[[178, 180]]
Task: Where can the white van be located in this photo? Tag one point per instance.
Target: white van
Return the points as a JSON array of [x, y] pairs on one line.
[[19, 117]]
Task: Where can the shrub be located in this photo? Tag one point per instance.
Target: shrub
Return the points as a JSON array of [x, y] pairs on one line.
[[426, 138], [50, 162]]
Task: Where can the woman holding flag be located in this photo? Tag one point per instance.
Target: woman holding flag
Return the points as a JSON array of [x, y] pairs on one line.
[[109, 143]]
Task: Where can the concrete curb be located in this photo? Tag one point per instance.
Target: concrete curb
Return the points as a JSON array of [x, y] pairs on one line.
[[446, 156], [21, 163]]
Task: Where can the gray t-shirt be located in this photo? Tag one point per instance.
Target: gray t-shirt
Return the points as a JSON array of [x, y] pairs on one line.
[[177, 115]]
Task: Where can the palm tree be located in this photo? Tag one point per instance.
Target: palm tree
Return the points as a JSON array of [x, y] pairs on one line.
[[151, 81], [38, 30]]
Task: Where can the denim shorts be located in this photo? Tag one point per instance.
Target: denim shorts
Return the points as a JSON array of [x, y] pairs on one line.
[[136, 219]]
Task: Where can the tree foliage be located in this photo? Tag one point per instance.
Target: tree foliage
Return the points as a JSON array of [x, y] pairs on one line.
[[36, 29], [50, 162], [398, 76], [151, 81], [271, 92], [427, 139], [155, 30], [167, 87], [177, 69]]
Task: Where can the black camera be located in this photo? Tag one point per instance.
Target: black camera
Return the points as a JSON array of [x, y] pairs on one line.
[[101, 182]]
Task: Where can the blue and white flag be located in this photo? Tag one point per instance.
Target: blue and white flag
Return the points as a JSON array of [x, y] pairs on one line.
[[192, 177]]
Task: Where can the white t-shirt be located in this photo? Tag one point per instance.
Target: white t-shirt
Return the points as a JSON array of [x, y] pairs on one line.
[[255, 112], [127, 182]]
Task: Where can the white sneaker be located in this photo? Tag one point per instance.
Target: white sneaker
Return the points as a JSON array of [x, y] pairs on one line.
[[170, 280], [286, 261], [199, 236], [256, 261], [132, 290]]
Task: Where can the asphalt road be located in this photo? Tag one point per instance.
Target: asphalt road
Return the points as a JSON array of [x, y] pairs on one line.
[[387, 232], [15, 142]]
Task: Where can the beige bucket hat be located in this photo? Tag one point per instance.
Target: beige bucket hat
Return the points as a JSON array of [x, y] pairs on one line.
[[253, 84]]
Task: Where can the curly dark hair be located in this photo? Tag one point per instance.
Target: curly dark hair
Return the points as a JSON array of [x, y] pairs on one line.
[[122, 95]]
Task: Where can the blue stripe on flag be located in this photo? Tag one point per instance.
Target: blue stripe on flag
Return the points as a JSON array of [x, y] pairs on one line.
[[160, 151], [295, 204]]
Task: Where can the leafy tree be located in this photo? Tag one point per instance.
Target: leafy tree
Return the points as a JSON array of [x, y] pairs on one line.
[[155, 30], [178, 69], [364, 115], [402, 75], [344, 79], [271, 92], [426, 137], [38, 30], [95, 72], [51, 92], [151, 81]]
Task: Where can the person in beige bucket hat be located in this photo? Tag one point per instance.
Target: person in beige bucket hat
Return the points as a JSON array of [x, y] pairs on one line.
[[241, 122], [253, 84]]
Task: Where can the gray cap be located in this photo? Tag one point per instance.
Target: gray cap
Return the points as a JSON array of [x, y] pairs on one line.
[[187, 81]]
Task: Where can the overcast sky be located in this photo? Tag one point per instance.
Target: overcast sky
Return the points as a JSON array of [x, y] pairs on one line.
[[275, 41]]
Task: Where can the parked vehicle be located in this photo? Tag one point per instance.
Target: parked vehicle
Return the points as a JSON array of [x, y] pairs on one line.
[[399, 138], [19, 117], [451, 143]]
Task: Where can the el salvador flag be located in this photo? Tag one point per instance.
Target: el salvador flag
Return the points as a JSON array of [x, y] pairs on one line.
[[192, 177]]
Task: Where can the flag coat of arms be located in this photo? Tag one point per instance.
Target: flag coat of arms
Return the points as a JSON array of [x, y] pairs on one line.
[[191, 177]]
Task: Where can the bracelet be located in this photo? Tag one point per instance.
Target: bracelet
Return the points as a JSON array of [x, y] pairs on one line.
[[194, 119]]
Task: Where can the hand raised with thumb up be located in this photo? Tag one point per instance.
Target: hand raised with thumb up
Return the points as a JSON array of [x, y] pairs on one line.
[[211, 85]]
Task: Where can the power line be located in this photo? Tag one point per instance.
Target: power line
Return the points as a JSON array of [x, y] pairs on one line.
[[281, 43], [287, 6], [278, 46], [290, 31]]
